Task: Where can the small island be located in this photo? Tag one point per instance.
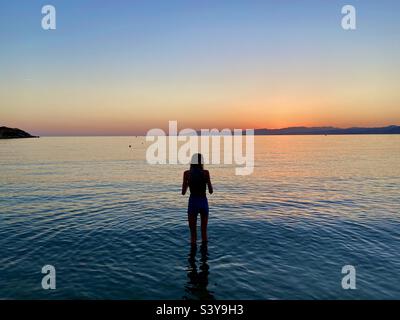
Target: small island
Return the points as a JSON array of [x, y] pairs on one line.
[[14, 133]]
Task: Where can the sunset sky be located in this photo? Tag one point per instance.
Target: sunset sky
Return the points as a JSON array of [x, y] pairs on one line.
[[123, 67]]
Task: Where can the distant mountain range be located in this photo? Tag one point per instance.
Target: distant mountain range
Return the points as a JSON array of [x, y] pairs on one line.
[[319, 131], [327, 130], [11, 133]]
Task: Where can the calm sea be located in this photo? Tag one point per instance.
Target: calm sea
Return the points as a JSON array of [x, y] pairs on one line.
[[115, 227]]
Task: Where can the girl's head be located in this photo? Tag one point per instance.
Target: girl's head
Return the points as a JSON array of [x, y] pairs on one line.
[[197, 161]]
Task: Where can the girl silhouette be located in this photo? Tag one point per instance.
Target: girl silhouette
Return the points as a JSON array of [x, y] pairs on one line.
[[197, 179]]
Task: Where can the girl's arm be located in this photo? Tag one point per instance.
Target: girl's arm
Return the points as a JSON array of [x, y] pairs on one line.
[[210, 187], [185, 182]]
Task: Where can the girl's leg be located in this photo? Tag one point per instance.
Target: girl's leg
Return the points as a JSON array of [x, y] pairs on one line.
[[192, 219], [204, 222]]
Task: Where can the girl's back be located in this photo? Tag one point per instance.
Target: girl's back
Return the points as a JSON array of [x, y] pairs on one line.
[[197, 182]]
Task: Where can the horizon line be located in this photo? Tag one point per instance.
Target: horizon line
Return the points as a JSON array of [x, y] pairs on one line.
[[209, 129]]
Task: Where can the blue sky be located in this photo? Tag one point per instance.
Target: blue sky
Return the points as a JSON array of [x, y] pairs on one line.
[[165, 60]]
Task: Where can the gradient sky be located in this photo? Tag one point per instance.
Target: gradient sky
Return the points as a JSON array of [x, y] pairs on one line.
[[123, 67]]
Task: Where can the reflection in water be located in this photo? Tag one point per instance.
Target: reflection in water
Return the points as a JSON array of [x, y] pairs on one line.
[[196, 287]]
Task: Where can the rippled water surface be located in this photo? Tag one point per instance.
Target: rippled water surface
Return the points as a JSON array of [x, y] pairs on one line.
[[115, 227]]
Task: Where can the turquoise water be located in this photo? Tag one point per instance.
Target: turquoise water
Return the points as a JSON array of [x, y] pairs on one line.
[[115, 227]]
